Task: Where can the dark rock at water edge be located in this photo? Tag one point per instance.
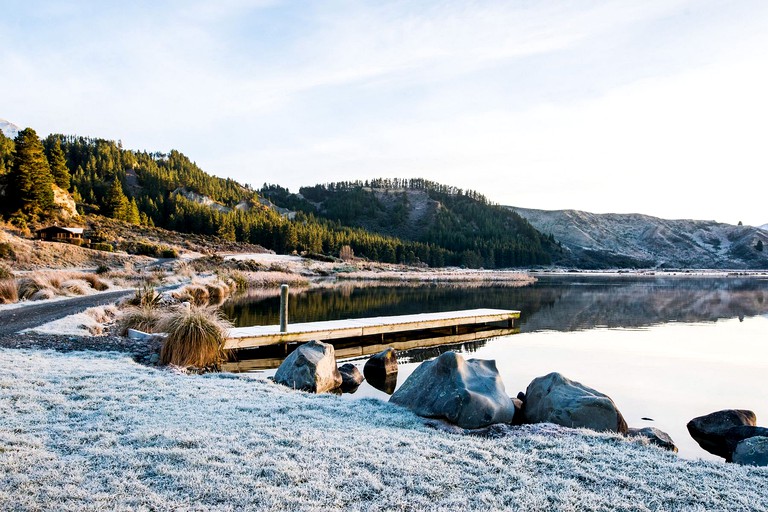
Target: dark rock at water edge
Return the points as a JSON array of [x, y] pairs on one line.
[[351, 378], [380, 365], [554, 398], [468, 393], [710, 430], [654, 436], [752, 451], [311, 367], [385, 383]]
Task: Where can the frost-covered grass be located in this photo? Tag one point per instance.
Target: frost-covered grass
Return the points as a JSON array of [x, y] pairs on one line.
[[86, 431], [91, 322]]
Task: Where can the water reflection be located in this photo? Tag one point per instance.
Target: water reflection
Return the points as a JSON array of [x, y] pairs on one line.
[[559, 303]]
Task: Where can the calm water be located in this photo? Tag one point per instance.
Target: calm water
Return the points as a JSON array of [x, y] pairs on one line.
[[666, 348]]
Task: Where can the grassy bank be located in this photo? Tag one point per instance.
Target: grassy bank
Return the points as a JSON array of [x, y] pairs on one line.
[[86, 431]]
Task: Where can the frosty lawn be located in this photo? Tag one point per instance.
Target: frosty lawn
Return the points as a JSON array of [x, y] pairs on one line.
[[87, 431]]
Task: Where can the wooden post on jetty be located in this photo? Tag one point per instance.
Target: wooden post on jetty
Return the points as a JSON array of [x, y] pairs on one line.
[[284, 308]]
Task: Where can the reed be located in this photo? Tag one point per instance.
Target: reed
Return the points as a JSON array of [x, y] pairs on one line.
[[195, 336]]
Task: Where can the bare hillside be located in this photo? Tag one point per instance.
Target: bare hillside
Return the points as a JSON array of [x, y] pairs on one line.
[[640, 241]]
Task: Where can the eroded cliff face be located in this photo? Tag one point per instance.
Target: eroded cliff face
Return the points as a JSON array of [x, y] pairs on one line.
[[641, 241]]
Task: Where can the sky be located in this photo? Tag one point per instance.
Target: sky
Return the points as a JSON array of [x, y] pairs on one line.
[[657, 107]]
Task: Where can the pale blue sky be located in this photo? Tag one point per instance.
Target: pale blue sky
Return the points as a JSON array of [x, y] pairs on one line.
[[652, 106]]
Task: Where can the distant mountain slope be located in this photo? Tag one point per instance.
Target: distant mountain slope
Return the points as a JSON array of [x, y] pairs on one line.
[[640, 241], [9, 129]]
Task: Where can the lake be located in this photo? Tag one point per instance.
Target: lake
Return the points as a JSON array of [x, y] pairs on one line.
[[668, 348]]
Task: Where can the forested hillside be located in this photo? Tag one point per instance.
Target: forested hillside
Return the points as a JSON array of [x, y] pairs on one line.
[[170, 191], [475, 232]]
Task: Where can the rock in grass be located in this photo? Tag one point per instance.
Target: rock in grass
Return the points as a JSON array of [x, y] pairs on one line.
[[556, 399], [710, 430], [311, 367], [654, 436], [351, 378], [469, 393], [752, 451], [380, 365]]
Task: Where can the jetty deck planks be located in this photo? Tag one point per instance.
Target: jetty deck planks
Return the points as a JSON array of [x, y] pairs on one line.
[[333, 330]]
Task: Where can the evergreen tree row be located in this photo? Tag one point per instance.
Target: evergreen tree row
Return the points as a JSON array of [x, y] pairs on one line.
[[162, 189]]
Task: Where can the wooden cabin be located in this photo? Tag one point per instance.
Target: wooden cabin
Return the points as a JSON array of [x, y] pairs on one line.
[[60, 234]]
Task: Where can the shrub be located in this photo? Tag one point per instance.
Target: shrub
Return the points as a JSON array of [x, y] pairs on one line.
[[142, 318], [76, 241], [146, 295], [101, 246], [102, 269], [169, 252], [145, 249], [195, 337], [9, 292], [6, 251]]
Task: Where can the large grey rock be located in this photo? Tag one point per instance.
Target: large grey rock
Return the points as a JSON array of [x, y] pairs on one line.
[[654, 436], [469, 393], [710, 430], [556, 399], [752, 451], [311, 367], [735, 435]]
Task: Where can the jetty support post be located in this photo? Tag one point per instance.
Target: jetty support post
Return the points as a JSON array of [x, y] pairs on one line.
[[284, 308]]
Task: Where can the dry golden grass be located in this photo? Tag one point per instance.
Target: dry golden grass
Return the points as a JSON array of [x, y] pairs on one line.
[[141, 318], [94, 281], [9, 292], [195, 337], [217, 293], [74, 287], [32, 285]]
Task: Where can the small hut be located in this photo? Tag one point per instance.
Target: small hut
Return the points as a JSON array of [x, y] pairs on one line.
[[60, 234]]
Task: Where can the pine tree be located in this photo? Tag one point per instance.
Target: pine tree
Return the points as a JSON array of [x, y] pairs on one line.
[[30, 183], [116, 203], [133, 213], [58, 165]]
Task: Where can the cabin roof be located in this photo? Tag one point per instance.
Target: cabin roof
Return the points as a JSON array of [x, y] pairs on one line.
[[74, 231]]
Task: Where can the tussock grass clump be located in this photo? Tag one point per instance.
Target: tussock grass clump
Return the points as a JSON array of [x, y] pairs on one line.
[[43, 294], [198, 294], [74, 287], [9, 292], [141, 318], [5, 272], [30, 286], [195, 337], [94, 281], [217, 293]]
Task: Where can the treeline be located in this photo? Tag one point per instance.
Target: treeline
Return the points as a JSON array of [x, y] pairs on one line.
[[159, 189], [471, 230]]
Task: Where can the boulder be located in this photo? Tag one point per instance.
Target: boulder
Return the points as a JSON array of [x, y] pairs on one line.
[[468, 393], [311, 367], [654, 436], [351, 378], [386, 383], [735, 435], [752, 451], [556, 399], [710, 430], [380, 365]]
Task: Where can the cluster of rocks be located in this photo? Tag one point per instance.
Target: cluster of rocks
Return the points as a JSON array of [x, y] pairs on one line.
[[732, 434], [312, 367], [465, 393], [470, 396]]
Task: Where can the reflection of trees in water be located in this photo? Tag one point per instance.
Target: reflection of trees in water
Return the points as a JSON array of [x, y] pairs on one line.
[[554, 303]]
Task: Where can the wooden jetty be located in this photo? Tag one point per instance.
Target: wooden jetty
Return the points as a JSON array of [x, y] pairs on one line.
[[373, 330]]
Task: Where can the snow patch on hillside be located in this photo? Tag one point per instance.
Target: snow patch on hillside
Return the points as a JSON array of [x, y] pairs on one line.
[[9, 129]]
